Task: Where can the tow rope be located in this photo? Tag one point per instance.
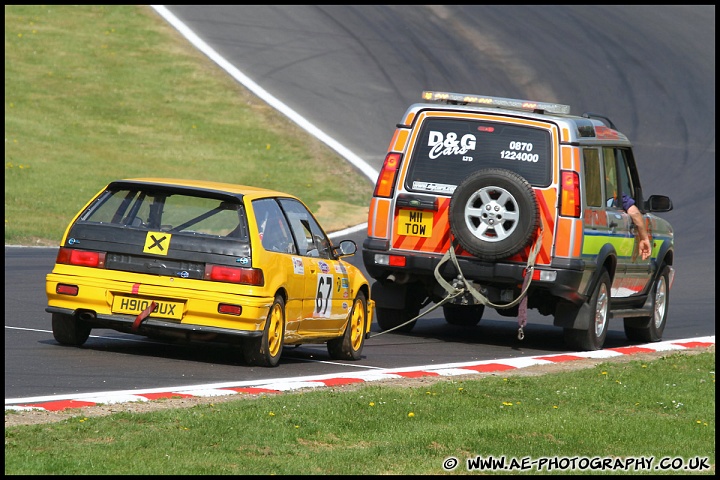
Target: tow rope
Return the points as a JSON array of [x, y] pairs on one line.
[[466, 287], [143, 315]]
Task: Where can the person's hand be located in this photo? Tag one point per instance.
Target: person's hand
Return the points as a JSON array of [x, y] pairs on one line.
[[645, 249]]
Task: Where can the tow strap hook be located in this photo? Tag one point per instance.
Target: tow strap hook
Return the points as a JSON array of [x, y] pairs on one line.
[[521, 334]]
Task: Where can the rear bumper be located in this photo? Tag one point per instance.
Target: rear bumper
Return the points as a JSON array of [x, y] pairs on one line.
[[152, 326], [503, 275], [199, 308]]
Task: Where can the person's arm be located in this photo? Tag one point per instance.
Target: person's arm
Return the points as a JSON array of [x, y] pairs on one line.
[[639, 222]]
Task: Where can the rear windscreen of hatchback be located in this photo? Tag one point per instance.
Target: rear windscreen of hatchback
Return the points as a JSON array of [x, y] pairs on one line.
[[448, 151], [169, 211]]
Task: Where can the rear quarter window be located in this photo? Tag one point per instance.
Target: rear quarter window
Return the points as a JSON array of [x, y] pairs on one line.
[[592, 178], [447, 151]]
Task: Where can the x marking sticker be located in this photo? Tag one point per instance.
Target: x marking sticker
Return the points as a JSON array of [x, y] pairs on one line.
[[157, 243]]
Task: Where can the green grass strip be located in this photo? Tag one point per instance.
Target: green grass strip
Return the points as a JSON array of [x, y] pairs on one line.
[[664, 408]]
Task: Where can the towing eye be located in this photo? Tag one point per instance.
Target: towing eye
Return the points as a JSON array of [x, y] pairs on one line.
[[453, 292]]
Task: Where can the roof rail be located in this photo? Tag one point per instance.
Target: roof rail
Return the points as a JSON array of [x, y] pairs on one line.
[[500, 102], [601, 117]]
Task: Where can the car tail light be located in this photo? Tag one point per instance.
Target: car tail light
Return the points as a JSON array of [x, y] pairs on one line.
[[85, 258], [228, 309], [245, 276], [570, 194], [386, 181]]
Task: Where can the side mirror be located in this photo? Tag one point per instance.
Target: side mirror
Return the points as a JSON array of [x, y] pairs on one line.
[[658, 203], [346, 248]]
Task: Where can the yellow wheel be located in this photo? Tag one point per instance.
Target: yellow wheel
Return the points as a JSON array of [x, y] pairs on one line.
[[350, 345], [265, 351]]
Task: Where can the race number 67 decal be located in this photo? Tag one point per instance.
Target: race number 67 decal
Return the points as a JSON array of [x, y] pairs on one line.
[[323, 296]]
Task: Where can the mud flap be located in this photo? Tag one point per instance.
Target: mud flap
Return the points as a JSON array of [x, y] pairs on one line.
[[569, 315], [370, 316], [390, 295]]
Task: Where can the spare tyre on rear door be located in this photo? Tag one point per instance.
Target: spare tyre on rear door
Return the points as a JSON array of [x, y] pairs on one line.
[[494, 214]]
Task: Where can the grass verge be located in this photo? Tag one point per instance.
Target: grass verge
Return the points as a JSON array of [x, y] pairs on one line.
[[98, 93], [663, 408]]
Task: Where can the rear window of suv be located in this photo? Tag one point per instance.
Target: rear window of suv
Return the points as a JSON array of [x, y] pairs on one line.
[[448, 151]]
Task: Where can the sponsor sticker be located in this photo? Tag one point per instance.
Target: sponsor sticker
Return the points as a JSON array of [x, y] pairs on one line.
[[434, 187], [298, 267], [450, 144]]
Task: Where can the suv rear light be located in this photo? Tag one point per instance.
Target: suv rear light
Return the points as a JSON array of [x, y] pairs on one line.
[[397, 261], [569, 194], [391, 260], [542, 275], [386, 181], [244, 276], [84, 258]]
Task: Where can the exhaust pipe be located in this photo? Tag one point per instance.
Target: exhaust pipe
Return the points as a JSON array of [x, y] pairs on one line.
[[399, 278]]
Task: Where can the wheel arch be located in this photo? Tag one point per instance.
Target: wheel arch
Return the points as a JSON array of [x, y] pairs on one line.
[[666, 254], [365, 289], [282, 291], [570, 315], [606, 260]]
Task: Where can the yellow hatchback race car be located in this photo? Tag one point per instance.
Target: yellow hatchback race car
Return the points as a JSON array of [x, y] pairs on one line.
[[207, 261]]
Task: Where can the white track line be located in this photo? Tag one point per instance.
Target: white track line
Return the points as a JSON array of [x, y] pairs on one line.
[[279, 385], [185, 31]]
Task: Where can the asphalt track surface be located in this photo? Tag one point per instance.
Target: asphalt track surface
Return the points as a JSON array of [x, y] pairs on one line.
[[347, 74]]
